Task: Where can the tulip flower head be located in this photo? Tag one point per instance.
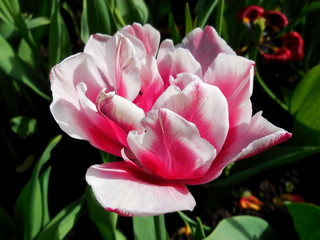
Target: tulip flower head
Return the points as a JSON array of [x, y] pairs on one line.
[[177, 115]]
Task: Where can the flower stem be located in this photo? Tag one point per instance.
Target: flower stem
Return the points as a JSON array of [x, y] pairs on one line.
[[160, 227]]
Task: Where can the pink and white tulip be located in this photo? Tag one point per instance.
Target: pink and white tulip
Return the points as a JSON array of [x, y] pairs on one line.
[[178, 115]]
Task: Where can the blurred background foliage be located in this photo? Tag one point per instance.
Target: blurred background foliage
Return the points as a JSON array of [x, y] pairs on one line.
[[44, 194]]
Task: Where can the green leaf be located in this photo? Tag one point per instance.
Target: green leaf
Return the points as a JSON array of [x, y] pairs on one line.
[[160, 227], [23, 126], [219, 17], [174, 31], [59, 41], [105, 221], [205, 10], [188, 19], [107, 157], [199, 233], [38, 22], [306, 218], [7, 230], [143, 228], [64, 221], [305, 107], [242, 228], [29, 206], [84, 29], [98, 18], [44, 184], [15, 68], [133, 11], [192, 224]]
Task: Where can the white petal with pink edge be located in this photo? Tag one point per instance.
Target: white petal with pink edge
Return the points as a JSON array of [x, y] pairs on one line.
[[124, 189], [149, 36], [205, 45], [171, 147], [260, 136], [199, 103], [233, 75], [121, 111]]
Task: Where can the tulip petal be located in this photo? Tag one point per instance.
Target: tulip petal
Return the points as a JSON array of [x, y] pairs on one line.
[[199, 103], [149, 36], [233, 75], [151, 84], [260, 136], [117, 62], [120, 110], [171, 147], [124, 189], [178, 61], [205, 45]]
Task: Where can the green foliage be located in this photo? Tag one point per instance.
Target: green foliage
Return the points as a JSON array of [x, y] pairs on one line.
[[242, 228], [30, 206], [306, 219], [105, 222], [23, 126], [305, 107]]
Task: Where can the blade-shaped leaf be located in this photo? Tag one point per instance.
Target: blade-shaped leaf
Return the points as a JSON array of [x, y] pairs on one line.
[[205, 10], [305, 107], [132, 11], [64, 221], [23, 126], [29, 206], [306, 218], [242, 228], [7, 230], [59, 41], [44, 183], [188, 19], [15, 68], [143, 228], [105, 221]]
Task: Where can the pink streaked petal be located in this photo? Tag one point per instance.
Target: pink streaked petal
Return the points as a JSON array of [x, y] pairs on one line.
[[122, 188], [65, 76], [233, 75], [121, 111], [165, 48], [98, 49], [202, 104], [127, 70], [171, 147], [178, 61], [184, 79], [205, 46], [260, 136], [149, 36]]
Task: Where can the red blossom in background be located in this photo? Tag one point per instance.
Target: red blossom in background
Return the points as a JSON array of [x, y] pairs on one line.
[[288, 47]]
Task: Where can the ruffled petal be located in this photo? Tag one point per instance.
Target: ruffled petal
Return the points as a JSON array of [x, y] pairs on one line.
[[151, 84], [260, 136], [205, 46], [124, 189], [149, 36], [178, 61], [234, 75], [98, 49], [75, 84], [171, 147], [202, 104], [120, 110]]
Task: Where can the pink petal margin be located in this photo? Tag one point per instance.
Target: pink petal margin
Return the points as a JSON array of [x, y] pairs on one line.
[[260, 136], [122, 188]]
